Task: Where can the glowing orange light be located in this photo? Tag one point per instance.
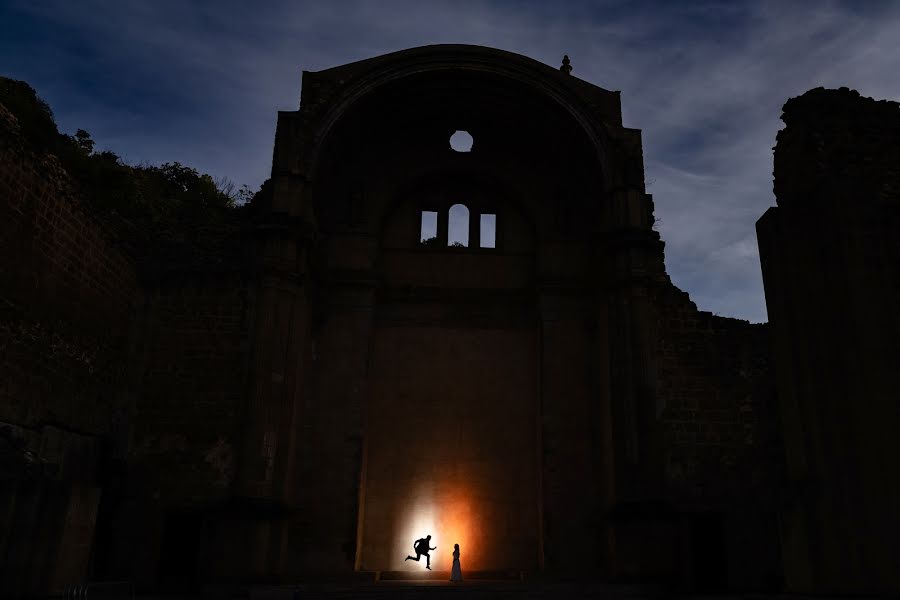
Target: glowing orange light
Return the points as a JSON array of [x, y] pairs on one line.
[[445, 512]]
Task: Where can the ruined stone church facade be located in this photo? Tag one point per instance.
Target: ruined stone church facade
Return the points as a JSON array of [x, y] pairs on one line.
[[480, 345], [528, 396]]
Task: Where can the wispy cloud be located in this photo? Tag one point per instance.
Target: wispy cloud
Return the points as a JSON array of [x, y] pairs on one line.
[[201, 83]]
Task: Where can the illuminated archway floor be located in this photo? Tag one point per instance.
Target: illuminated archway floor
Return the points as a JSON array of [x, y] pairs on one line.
[[425, 575]]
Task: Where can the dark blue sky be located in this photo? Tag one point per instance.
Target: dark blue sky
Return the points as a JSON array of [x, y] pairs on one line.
[[201, 83]]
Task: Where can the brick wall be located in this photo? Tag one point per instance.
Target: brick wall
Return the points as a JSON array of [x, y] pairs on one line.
[[121, 380], [157, 521], [716, 398], [68, 298], [194, 379], [721, 444]]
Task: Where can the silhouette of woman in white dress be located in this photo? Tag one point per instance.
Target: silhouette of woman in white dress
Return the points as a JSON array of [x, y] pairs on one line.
[[455, 572]]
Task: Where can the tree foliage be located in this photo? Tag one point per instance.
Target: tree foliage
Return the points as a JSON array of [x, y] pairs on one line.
[[34, 115], [169, 201]]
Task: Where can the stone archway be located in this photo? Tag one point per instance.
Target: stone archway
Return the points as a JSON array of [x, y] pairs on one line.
[[452, 446], [534, 311]]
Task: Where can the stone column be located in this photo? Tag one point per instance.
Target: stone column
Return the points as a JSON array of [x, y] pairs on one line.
[[570, 433], [830, 260], [630, 255], [325, 532], [282, 316]]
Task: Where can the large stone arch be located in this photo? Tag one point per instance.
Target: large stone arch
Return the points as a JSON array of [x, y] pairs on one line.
[[406, 118], [346, 322], [446, 58]]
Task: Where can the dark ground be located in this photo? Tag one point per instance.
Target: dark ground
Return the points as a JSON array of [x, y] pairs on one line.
[[441, 589]]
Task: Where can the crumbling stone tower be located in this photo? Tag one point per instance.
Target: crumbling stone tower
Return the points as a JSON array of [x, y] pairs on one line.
[[830, 255]]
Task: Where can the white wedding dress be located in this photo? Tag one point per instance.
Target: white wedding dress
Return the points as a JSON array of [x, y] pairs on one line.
[[456, 572]]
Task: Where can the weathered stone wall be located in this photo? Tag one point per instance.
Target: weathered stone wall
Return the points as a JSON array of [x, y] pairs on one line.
[[715, 398], [721, 454], [186, 434], [193, 383], [575, 452], [121, 387], [68, 298], [68, 293], [830, 254]]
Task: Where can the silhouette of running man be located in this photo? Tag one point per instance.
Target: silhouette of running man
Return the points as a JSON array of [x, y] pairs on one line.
[[422, 549]]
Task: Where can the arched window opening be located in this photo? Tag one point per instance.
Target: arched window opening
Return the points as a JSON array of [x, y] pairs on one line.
[[488, 231], [458, 226]]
